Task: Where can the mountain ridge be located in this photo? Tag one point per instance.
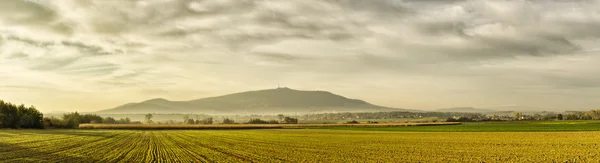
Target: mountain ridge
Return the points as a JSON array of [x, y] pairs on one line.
[[269, 101]]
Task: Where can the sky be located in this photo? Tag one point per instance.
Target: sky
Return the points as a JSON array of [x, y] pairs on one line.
[[72, 55]]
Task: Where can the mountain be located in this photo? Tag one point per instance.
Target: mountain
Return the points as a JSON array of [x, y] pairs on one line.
[[465, 110], [270, 101]]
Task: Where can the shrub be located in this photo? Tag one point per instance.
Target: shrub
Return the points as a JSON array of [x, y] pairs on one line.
[[352, 122]]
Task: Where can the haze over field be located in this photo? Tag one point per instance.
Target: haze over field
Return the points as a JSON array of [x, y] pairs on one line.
[[75, 55]]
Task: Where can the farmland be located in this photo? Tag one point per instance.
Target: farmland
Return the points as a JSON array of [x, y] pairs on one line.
[[297, 145], [523, 126]]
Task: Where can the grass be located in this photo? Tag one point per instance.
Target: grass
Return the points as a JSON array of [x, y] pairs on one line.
[[548, 126], [295, 145]]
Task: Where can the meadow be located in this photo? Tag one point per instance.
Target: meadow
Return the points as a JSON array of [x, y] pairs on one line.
[[472, 143]]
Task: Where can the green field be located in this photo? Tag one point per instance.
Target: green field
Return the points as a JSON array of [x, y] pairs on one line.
[[548, 126], [399, 144]]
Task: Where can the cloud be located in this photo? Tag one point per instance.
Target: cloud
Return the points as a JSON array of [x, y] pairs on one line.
[[482, 50]]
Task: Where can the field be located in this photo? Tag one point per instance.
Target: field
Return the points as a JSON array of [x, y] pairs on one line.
[[471, 143], [549, 126]]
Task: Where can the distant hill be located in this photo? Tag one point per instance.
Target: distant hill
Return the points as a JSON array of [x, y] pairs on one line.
[[465, 110], [271, 101]]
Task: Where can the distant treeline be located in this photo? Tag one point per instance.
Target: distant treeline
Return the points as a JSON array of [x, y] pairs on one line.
[[13, 116], [388, 115], [285, 120], [589, 115]]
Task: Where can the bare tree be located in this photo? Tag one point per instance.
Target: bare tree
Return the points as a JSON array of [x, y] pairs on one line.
[[149, 118]]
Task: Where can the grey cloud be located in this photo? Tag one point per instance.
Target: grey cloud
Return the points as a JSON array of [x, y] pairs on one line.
[[85, 49], [218, 41], [17, 56], [32, 13], [29, 41], [50, 64], [26, 12], [389, 8], [279, 56], [91, 70], [91, 49]]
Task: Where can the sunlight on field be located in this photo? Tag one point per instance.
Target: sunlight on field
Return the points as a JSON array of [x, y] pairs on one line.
[[295, 145]]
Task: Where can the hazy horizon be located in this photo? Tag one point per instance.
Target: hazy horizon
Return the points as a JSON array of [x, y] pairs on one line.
[[85, 56]]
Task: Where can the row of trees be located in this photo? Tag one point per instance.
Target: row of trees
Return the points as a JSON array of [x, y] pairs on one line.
[[72, 120], [590, 115], [540, 116], [387, 115], [188, 120], [13, 116], [285, 120]]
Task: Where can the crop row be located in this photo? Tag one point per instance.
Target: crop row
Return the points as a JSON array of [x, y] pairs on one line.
[[294, 145]]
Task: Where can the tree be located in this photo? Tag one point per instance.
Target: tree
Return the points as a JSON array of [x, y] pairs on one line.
[[149, 118], [228, 121], [280, 116], [71, 120], [186, 118], [257, 121], [124, 121], [190, 121], [13, 116], [559, 117], [518, 115], [91, 118], [208, 120], [109, 120], [1, 119], [288, 120]]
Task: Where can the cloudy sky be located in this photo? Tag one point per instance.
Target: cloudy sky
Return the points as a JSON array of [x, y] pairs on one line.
[[422, 54]]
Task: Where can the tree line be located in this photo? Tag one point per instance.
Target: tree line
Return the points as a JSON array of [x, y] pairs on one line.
[[13, 116], [388, 115], [283, 120], [72, 120]]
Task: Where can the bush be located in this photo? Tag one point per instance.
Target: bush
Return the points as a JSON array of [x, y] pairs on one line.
[[352, 122]]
